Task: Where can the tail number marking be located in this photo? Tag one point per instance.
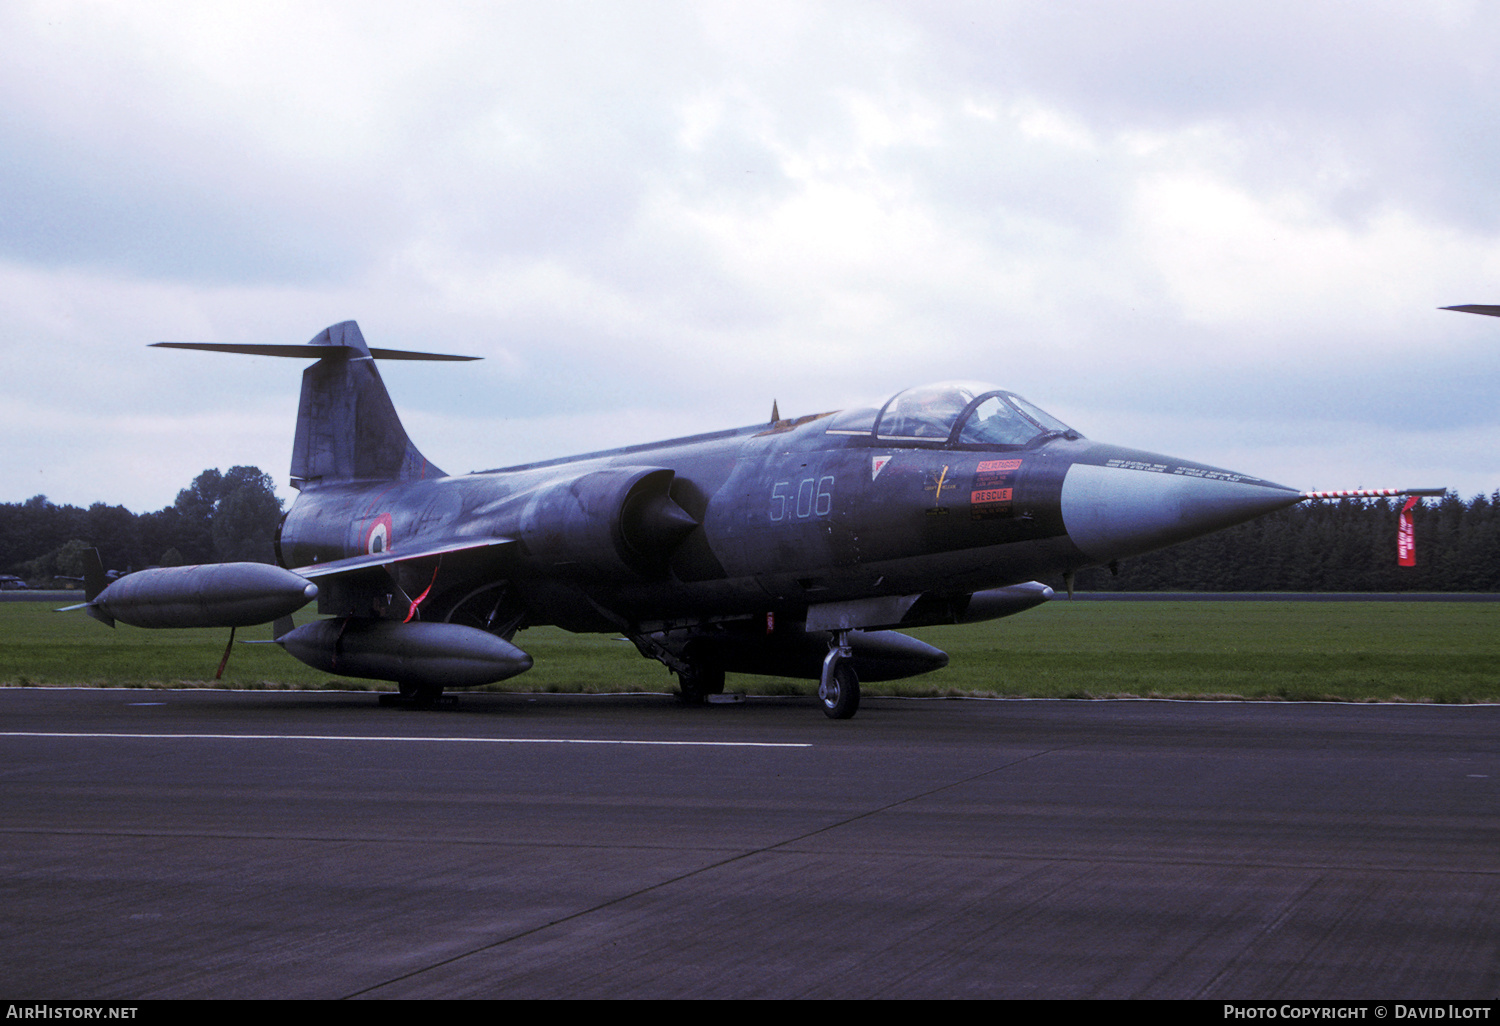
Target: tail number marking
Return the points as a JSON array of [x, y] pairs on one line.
[[813, 497]]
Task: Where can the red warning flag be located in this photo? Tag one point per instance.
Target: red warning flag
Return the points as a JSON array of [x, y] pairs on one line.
[[1406, 539]]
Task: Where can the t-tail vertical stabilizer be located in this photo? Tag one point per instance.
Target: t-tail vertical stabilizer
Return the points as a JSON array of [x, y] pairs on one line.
[[347, 427]]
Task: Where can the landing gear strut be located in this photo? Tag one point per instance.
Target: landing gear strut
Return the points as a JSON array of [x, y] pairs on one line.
[[838, 687]]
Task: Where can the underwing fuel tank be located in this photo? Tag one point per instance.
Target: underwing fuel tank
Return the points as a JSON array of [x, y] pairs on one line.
[[428, 655], [209, 595], [994, 603]]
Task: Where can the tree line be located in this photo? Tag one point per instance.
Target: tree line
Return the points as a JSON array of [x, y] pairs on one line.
[[1349, 545], [219, 518]]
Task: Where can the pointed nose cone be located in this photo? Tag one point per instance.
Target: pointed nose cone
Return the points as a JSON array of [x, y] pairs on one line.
[[1127, 502]]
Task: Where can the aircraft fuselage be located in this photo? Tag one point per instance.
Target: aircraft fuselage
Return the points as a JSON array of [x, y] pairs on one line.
[[788, 516]]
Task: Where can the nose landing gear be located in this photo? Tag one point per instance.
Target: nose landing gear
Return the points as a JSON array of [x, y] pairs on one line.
[[838, 687]]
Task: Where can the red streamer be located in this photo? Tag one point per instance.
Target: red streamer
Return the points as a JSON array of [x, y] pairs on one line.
[[1406, 537]]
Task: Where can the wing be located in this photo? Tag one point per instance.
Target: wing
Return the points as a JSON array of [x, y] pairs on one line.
[[354, 564]]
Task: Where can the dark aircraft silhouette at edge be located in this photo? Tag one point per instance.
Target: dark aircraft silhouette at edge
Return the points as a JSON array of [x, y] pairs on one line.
[[793, 548]]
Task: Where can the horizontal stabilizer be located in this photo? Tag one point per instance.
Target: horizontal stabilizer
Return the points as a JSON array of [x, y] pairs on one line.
[[347, 428], [1475, 308], [391, 557], [305, 351]]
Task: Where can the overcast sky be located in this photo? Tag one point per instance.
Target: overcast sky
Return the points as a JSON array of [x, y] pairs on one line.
[[1210, 230]]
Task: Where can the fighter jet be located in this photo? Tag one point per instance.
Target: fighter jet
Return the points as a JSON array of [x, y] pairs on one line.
[[796, 547]]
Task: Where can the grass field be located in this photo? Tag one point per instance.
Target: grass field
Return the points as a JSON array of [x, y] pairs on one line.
[[1351, 651]]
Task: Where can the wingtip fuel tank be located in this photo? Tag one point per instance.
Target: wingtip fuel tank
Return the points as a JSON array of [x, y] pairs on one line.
[[207, 595]]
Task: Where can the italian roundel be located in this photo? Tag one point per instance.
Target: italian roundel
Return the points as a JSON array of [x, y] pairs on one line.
[[378, 535]]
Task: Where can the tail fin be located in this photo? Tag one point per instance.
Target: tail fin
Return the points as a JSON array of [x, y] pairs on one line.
[[94, 580], [347, 428]]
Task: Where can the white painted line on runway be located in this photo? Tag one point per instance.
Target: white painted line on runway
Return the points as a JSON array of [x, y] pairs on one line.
[[464, 740]]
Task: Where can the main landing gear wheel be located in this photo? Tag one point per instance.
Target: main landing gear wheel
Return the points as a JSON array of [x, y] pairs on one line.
[[702, 678], [419, 696], [839, 691]]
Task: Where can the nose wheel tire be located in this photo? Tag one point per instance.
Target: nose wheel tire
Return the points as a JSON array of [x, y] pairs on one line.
[[839, 692]]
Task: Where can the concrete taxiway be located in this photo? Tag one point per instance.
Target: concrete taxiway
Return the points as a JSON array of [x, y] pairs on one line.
[[213, 844]]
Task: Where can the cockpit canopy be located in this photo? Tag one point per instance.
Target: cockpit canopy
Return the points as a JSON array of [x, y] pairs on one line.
[[954, 412]]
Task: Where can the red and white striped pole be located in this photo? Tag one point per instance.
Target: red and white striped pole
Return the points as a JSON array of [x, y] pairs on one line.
[[1373, 493]]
